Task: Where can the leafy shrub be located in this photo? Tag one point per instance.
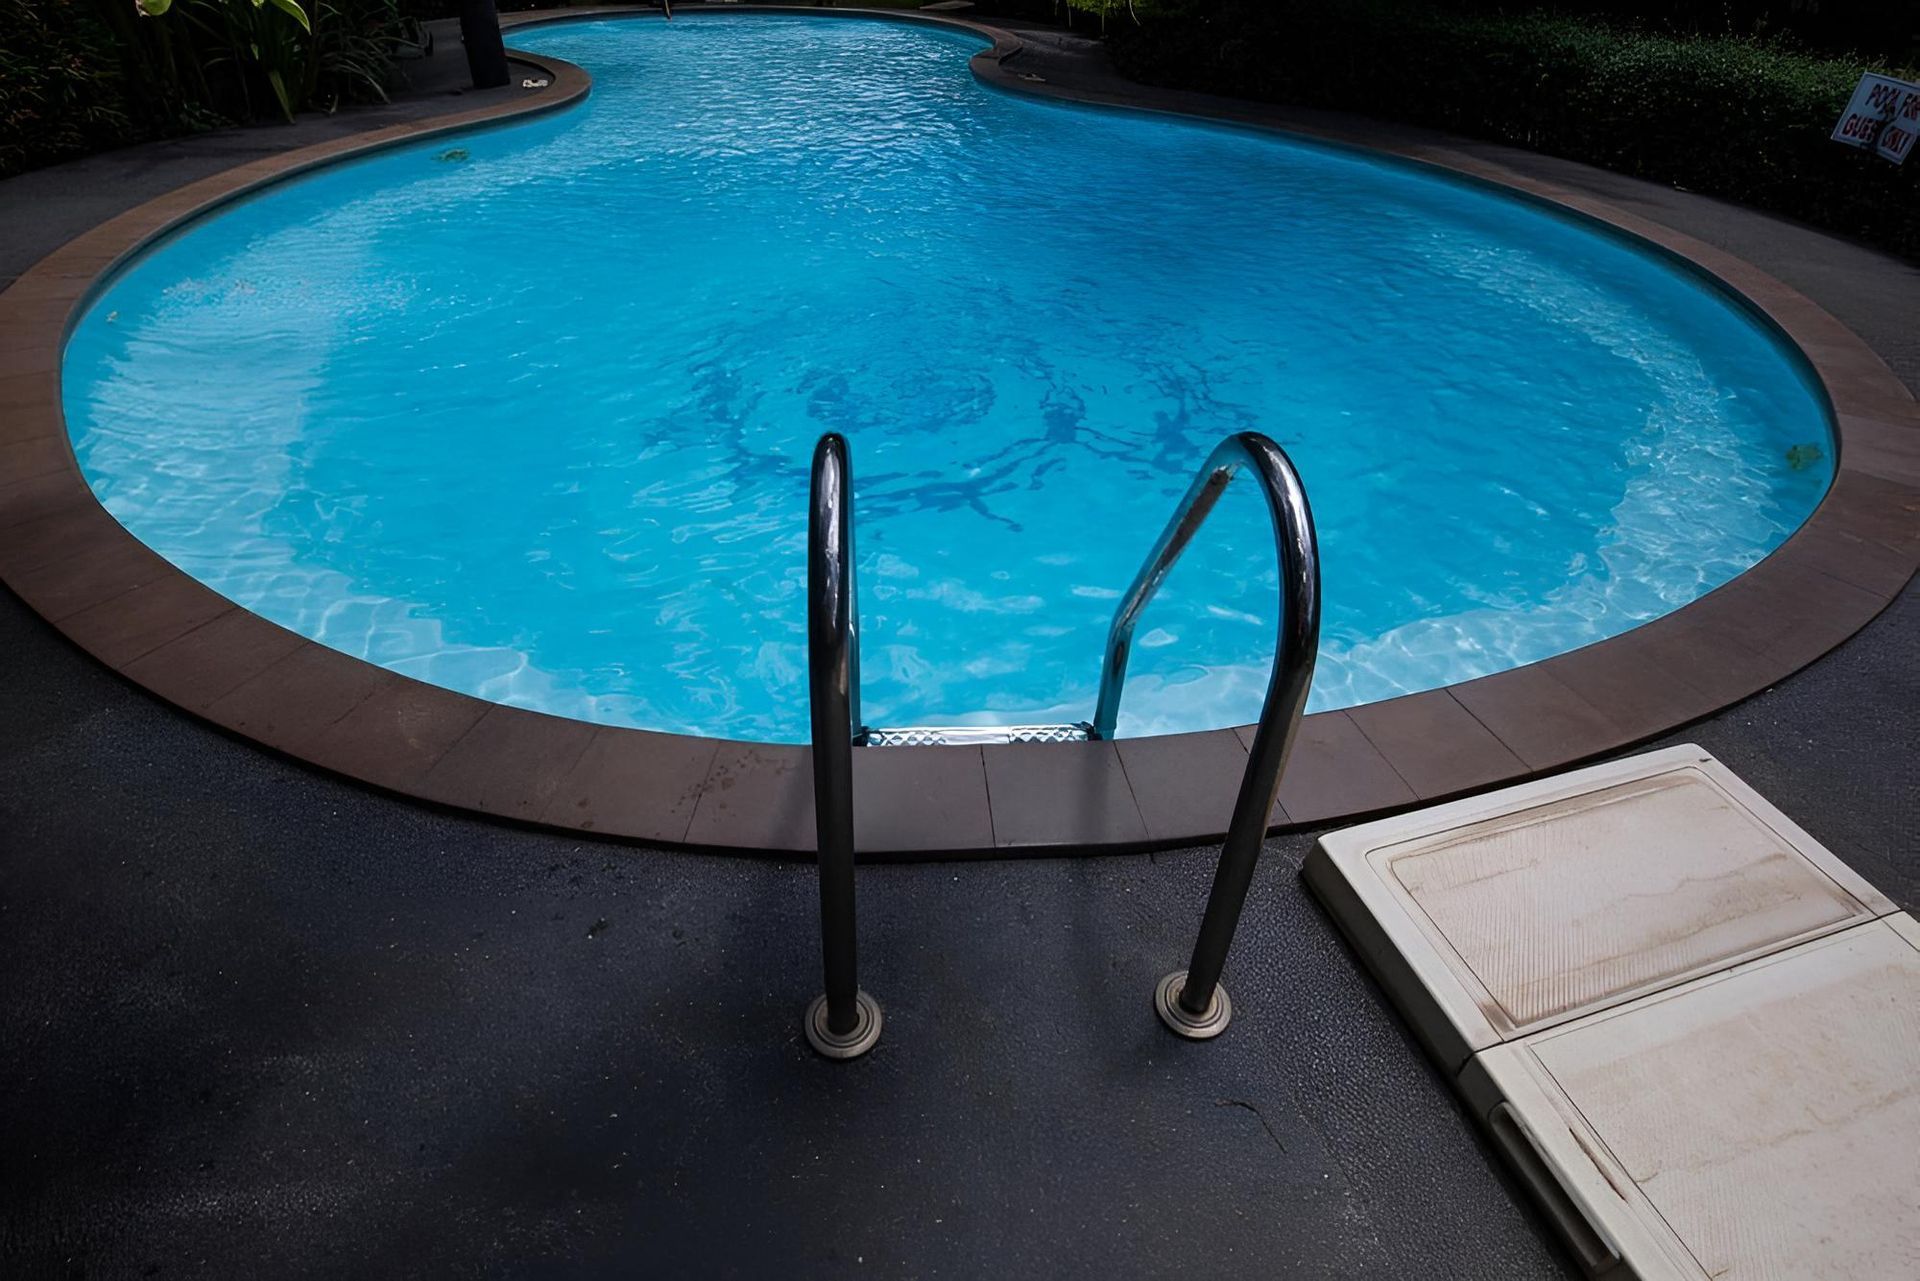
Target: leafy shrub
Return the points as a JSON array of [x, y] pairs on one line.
[[1873, 26], [1727, 116], [61, 88], [248, 59], [80, 75]]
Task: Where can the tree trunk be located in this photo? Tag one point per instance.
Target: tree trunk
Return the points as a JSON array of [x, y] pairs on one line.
[[486, 54]]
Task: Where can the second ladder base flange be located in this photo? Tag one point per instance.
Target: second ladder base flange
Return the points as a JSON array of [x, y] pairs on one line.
[[851, 1044], [1195, 1027]]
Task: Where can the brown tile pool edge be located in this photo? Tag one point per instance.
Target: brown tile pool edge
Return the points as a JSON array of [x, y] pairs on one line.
[[80, 569]]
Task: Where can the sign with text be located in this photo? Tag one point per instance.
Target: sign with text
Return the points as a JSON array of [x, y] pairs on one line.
[[1883, 117]]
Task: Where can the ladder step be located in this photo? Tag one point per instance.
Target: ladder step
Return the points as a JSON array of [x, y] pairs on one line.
[[967, 735]]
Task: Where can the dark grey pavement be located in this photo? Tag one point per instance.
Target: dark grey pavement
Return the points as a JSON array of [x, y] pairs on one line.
[[257, 1022]]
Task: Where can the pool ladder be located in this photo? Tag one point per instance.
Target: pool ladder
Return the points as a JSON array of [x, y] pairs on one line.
[[845, 1022]]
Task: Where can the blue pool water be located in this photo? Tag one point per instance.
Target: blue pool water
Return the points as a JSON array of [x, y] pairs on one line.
[[528, 412]]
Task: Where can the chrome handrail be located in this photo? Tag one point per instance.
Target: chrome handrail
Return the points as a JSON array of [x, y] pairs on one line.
[[1191, 1001], [844, 1022]]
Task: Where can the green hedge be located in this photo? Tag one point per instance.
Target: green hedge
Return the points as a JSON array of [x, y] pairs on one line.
[[78, 76], [1721, 115], [62, 91]]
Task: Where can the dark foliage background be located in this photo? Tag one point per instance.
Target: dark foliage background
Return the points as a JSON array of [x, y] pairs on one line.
[[1733, 98], [82, 75], [1736, 116], [62, 91]]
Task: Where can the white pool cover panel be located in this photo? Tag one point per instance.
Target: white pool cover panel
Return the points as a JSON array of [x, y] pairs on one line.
[[1692, 1030]]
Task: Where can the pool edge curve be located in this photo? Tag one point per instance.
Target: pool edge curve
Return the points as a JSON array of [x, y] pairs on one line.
[[71, 562]]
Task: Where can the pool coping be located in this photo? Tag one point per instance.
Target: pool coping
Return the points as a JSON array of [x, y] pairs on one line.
[[69, 560]]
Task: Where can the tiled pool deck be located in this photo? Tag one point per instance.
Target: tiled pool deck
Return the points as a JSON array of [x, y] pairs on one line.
[[262, 1021], [121, 602]]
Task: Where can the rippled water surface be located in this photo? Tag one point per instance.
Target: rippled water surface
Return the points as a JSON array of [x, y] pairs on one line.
[[528, 412]]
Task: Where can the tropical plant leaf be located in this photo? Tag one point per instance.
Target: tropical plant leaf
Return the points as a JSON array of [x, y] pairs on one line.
[[280, 92], [292, 9]]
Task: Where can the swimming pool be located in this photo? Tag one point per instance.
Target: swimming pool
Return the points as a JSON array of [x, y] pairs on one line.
[[527, 413]]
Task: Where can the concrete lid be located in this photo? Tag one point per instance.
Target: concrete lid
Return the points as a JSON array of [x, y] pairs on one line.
[[1691, 1030], [1505, 914], [1759, 1123]]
